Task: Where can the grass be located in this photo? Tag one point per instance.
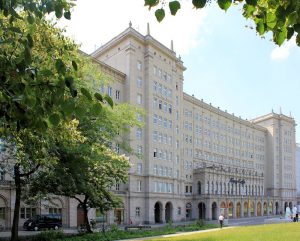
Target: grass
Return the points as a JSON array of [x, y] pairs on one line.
[[268, 232]]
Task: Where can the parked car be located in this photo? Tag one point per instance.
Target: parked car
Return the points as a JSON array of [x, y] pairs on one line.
[[47, 221]]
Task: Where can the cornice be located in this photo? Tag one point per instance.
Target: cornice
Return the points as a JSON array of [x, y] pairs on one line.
[[218, 111]]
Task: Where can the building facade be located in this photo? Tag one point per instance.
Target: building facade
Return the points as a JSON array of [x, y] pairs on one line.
[[195, 160], [298, 173]]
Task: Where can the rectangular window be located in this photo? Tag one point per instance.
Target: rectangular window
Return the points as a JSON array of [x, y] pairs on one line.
[[160, 104], [139, 99], [179, 210], [139, 82], [26, 213], [170, 109], [55, 210], [155, 86], [155, 70], [117, 94], [139, 134], [109, 91], [139, 168], [139, 186], [139, 65], [154, 103], [137, 211], [140, 150], [2, 174], [117, 187], [155, 152]]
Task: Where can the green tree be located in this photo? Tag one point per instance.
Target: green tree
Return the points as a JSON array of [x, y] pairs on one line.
[[38, 96], [280, 17], [90, 167]]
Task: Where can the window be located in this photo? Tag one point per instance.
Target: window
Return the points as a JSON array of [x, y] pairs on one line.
[[117, 94], [2, 174], [140, 150], [139, 117], [109, 91], [138, 134], [139, 82], [137, 211], [139, 186], [155, 152], [154, 103], [139, 168], [117, 186], [102, 88], [26, 213], [139, 65], [117, 148], [155, 70], [155, 86], [170, 109], [2, 213], [179, 210], [139, 99], [160, 104], [55, 210], [186, 189]]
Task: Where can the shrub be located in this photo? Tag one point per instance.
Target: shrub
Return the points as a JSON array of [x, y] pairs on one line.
[[48, 235]]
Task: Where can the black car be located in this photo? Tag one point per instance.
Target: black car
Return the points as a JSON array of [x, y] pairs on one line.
[[49, 221]]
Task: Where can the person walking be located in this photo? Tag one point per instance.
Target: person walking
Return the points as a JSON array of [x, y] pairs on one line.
[[221, 220]]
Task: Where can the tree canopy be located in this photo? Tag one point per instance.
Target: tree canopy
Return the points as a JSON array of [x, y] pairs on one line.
[[49, 99], [280, 17]]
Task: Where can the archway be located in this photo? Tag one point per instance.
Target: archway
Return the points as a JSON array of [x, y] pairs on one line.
[[271, 208], [223, 209], [258, 211], [201, 207], [230, 210], [238, 210], [168, 214], [214, 211], [158, 212], [265, 209], [3, 212], [246, 206], [276, 208], [188, 211]]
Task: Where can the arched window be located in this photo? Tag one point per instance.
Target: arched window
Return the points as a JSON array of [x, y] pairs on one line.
[[199, 188]]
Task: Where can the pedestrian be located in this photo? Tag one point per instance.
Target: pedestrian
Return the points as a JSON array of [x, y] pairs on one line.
[[221, 220]]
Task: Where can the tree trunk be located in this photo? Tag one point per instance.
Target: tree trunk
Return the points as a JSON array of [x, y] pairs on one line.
[[86, 219], [15, 226]]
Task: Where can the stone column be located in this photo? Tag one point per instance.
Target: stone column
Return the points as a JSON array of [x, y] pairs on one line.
[[163, 214], [234, 209], [208, 213], [242, 208]]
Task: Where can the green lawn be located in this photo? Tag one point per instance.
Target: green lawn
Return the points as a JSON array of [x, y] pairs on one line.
[[269, 232]]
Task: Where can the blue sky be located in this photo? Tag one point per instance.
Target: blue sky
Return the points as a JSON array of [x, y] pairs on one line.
[[228, 65]]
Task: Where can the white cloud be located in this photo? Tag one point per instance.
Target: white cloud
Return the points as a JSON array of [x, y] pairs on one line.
[[95, 22], [284, 50]]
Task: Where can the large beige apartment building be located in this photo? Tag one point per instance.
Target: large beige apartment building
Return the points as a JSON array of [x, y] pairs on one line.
[[195, 160]]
